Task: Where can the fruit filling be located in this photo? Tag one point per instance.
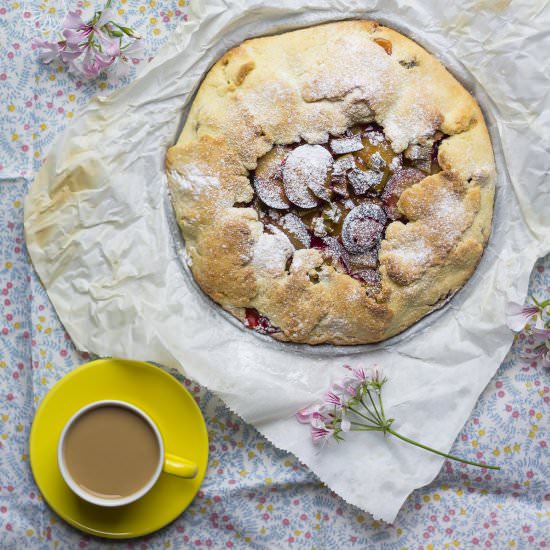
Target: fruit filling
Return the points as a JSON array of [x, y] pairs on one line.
[[339, 197]]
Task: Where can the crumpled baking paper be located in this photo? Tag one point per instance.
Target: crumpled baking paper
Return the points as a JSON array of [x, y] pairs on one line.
[[102, 240]]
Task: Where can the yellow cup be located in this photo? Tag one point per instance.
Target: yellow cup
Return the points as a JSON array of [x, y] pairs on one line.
[[167, 462]]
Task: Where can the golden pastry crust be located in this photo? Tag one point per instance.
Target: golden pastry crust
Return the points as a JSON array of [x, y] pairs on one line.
[[305, 86]]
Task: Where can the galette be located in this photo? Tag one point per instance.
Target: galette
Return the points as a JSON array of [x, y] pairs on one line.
[[333, 184]]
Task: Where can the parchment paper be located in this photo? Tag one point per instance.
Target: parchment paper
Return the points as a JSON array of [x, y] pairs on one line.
[[101, 239]]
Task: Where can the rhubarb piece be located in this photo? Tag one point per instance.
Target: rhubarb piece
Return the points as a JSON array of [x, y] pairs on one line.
[[339, 186], [336, 253], [254, 320], [377, 162], [319, 229], [366, 260], [376, 155]]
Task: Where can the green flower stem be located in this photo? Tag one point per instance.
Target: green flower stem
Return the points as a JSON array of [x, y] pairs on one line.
[[425, 447], [369, 426], [379, 419], [541, 305], [108, 4], [368, 418], [379, 393]]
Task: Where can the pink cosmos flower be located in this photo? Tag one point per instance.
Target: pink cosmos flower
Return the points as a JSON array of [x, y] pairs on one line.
[[518, 315]]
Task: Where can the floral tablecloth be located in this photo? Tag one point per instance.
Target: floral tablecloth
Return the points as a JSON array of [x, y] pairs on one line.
[[253, 496]]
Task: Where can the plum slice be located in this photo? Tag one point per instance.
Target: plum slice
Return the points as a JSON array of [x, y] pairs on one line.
[[363, 228], [395, 186], [268, 182], [363, 180], [348, 144], [369, 276], [296, 230], [366, 260], [306, 175], [420, 156], [336, 253], [343, 164]]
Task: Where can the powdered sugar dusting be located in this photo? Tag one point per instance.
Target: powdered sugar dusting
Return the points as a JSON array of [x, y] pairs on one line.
[[305, 259], [307, 167], [365, 69], [343, 164], [413, 117], [294, 225], [319, 229], [344, 145], [415, 253], [425, 243], [448, 214], [190, 178], [271, 253]]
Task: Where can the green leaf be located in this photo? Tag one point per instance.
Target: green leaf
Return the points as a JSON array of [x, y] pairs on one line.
[[128, 31]]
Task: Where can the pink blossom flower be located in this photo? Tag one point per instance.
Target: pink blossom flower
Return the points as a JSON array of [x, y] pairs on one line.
[[518, 315], [332, 399], [538, 354], [89, 48], [321, 434], [318, 421], [368, 414], [133, 50], [540, 334], [377, 374], [49, 50], [351, 388], [309, 414], [360, 374], [93, 62], [345, 387], [345, 423]]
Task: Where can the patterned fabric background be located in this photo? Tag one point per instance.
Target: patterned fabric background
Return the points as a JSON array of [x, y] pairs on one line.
[[254, 496]]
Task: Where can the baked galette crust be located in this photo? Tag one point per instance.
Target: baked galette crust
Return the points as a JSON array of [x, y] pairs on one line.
[[308, 86]]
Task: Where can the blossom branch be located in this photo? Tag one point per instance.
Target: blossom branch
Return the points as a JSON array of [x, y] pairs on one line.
[[351, 405], [535, 322], [93, 47]]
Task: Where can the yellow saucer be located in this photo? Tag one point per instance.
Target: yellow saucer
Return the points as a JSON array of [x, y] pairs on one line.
[[170, 406]]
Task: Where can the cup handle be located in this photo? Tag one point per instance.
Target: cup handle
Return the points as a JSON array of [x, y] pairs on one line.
[[178, 466]]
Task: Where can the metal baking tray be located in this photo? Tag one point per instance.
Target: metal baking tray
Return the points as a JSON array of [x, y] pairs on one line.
[[503, 194]]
